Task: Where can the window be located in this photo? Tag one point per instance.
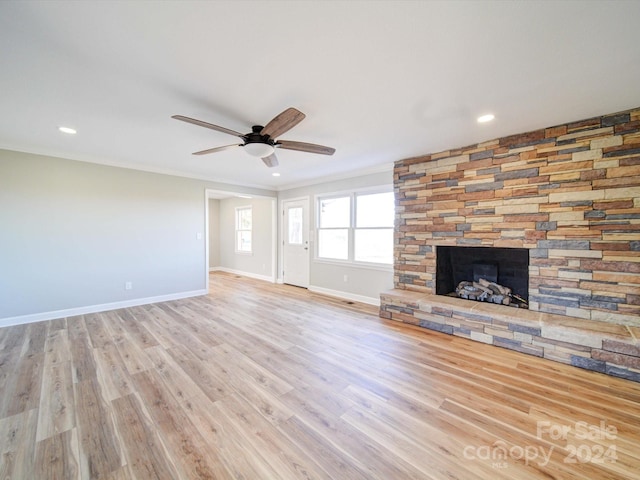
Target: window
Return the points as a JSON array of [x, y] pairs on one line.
[[333, 228], [374, 228], [357, 227], [243, 229], [295, 225]]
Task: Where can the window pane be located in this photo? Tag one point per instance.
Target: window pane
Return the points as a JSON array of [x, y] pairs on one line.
[[295, 225], [335, 212], [244, 219], [374, 245], [243, 229], [375, 210], [243, 241], [333, 243]]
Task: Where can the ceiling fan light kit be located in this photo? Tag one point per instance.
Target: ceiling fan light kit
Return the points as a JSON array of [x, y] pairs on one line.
[[259, 150], [260, 142]]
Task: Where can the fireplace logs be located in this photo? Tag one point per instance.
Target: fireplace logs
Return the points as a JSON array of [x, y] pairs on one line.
[[484, 291]]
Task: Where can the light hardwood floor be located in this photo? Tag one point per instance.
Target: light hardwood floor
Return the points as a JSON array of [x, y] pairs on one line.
[[261, 381]]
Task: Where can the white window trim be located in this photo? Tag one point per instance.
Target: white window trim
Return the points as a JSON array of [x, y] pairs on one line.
[[350, 262], [235, 233]]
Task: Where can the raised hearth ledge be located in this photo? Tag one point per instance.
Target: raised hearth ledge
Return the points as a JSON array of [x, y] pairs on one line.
[[594, 345]]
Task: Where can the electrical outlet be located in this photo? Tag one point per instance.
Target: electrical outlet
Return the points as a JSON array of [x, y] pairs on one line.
[[346, 278], [128, 286]]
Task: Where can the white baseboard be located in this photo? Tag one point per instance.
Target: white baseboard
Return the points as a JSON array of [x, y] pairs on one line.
[[257, 276], [70, 312], [345, 295]]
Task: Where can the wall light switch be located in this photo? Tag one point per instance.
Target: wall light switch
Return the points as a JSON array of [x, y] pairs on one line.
[[128, 286]]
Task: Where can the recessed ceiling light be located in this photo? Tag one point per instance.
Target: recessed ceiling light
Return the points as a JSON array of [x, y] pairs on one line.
[[69, 130], [275, 174], [486, 118]]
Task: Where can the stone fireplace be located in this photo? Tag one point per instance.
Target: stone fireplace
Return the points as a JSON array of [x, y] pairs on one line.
[[568, 196]]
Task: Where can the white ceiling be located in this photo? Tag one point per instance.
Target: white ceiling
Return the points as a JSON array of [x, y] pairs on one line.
[[379, 81]]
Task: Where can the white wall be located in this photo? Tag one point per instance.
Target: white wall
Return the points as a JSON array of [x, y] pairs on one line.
[[364, 284], [72, 234], [260, 262]]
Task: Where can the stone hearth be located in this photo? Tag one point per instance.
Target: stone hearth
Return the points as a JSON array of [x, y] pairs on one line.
[[601, 346], [568, 194]]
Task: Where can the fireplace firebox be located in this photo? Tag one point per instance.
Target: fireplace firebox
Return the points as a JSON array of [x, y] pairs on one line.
[[508, 267]]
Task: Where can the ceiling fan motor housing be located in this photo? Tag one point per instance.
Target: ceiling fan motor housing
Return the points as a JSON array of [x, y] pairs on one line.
[[256, 137]]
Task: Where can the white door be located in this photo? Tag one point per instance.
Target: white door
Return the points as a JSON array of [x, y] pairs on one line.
[[295, 257]]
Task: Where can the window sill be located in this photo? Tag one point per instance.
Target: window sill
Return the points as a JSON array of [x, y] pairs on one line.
[[359, 265]]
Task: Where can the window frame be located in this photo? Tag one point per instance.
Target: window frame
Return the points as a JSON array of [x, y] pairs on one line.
[[239, 230], [351, 229]]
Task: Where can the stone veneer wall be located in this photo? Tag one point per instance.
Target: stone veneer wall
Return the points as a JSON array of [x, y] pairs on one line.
[[570, 194]]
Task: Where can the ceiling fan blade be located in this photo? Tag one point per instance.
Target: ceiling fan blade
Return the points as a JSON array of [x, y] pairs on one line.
[[271, 160], [207, 125], [283, 122], [305, 147], [215, 149]]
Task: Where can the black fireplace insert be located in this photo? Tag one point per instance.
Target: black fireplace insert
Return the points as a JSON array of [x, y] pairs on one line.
[[508, 267]]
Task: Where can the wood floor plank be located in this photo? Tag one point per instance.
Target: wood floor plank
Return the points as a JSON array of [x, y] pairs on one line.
[[286, 459], [18, 445], [136, 330], [56, 411], [111, 372], [132, 355], [211, 381], [257, 374], [36, 336], [379, 375], [21, 390], [257, 387], [432, 466], [190, 454], [57, 457], [143, 447], [13, 337], [84, 365], [95, 324], [265, 381], [181, 386], [99, 449], [222, 435], [331, 459], [182, 331]]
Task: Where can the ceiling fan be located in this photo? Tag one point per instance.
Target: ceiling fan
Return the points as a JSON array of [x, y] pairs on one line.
[[261, 141]]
